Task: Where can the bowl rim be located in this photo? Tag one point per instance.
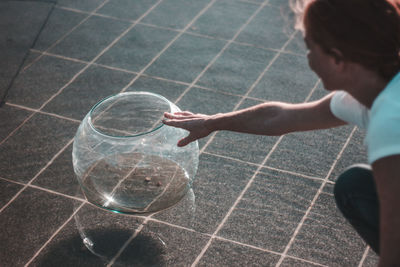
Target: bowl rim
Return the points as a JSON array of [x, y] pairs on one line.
[[126, 94]]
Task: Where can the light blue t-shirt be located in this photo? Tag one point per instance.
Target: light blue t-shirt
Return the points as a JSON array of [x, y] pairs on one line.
[[382, 121]]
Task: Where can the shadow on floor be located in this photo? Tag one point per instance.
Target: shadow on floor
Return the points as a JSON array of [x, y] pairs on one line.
[[144, 250]]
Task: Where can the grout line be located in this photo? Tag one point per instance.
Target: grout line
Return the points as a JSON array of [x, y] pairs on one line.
[[42, 112], [62, 88], [54, 234], [364, 256], [264, 161], [133, 236], [169, 44], [314, 199], [188, 32], [234, 205], [251, 88], [144, 74], [266, 250], [256, 172], [67, 34], [40, 172], [84, 201], [178, 227], [128, 85], [43, 189], [266, 167], [90, 63], [46, 53], [17, 128], [36, 59], [307, 261], [56, 193], [246, 245], [82, 70], [292, 173]]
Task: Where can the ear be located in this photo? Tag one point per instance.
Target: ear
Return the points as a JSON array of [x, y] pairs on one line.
[[337, 55], [338, 59]]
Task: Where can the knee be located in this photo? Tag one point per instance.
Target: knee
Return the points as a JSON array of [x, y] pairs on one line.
[[350, 180]]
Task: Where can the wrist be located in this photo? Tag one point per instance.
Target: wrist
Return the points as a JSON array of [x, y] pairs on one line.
[[213, 122]]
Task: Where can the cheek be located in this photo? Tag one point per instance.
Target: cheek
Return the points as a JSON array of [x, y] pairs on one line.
[[311, 61]]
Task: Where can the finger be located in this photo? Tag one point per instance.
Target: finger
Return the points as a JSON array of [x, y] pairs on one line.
[[175, 123], [177, 116], [187, 140], [185, 113]]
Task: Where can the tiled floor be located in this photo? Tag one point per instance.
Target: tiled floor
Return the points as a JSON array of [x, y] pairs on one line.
[[260, 201]]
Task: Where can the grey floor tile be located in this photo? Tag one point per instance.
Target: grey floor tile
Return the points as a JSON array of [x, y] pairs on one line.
[[84, 5], [26, 225], [43, 79], [108, 231], [354, 153], [175, 14], [224, 19], [310, 153], [371, 260], [33, 145], [198, 100], [236, 69], [288, 79], [203, 101], [21, 22], [182, 213], [59, 23], [90, 87], [270, 29], [270, 210], [31, 58], [223, 253], [126, 9], [297, 45], [137, 48], [326, 237], [8, 191], [90, 38], [217, 185], [290, 262], [59, 176], [246, 147], [167, 89], [186, 58], [180, 249], [10, 119], [328, 188]]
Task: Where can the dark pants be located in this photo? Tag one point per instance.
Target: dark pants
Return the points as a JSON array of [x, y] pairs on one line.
[[357, 199]]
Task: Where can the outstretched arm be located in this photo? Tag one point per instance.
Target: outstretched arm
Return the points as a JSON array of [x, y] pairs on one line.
[[270, 118]]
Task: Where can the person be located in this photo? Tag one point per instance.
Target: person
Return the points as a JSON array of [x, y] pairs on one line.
[[354, 48]]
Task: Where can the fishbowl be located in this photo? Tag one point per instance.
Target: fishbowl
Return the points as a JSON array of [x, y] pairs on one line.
[[127, 161]]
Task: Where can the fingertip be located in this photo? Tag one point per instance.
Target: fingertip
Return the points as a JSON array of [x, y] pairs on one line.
[[182, 143]]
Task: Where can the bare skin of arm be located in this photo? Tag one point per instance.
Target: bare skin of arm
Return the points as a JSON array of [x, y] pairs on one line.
[[387, 178], [270, 118], [276, 118]]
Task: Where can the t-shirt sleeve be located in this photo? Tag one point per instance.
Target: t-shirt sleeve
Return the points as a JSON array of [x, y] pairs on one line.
[[383, 135], [348, 109]]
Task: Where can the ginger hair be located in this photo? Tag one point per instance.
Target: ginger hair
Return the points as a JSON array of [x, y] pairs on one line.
[[364, 31]]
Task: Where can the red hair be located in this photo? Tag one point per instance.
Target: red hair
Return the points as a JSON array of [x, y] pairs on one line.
[[364, 31]]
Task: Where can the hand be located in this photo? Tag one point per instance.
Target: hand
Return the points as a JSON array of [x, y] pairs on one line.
[[194, 123]]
